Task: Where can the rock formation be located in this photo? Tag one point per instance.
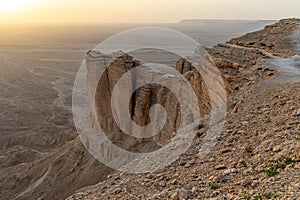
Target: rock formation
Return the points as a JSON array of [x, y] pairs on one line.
[[257, 155], [142, 100]]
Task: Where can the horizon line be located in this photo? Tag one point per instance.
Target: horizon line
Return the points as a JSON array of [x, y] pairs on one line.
[[137, 22]]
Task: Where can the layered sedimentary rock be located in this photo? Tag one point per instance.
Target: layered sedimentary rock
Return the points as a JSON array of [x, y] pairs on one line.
[[141, 101]]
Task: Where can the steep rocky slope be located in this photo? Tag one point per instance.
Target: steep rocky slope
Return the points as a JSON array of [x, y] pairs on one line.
[[260, 140], [274, 39], [258, 153]]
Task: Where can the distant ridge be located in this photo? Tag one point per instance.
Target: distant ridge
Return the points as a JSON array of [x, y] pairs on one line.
[[196, 21]]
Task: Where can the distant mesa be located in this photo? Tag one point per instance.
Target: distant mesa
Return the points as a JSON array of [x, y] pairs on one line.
[[232, 21]]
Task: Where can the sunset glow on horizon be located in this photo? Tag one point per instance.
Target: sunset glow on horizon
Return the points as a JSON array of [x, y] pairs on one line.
[[99, 11]]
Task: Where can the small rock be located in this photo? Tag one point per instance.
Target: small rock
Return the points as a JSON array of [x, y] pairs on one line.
[[230, 171], [162, 183], [182, 163], [174, 196], [215, 194], [194, 190], [174, 181], [220, 178], [219, 167], [297, 166], [229, 131], [242, 163], [235, 65], [183, 194], [226, 150], [247, 182], [187, 165], [255, 183], [156, 196], [297, 113], [117, 191], [277, 148]]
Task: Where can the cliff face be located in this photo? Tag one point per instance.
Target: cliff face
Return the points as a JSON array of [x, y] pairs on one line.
[[239, 161], [142, 100]]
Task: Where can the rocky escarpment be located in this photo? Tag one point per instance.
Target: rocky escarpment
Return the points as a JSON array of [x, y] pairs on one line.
[[58, 173], [257, 155], [274, 39], [141, 101], [240, 66]]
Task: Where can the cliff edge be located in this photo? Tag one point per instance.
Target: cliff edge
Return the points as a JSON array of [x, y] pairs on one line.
[[258, 152]]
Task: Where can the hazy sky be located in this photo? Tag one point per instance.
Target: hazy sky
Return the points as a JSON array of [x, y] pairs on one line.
[[19, 11]]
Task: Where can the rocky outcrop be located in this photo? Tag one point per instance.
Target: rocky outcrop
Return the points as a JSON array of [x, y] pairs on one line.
[[142, 100], [240, 67], [275, 38]]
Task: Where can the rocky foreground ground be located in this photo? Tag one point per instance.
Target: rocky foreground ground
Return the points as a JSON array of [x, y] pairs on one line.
[[257, 156]]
